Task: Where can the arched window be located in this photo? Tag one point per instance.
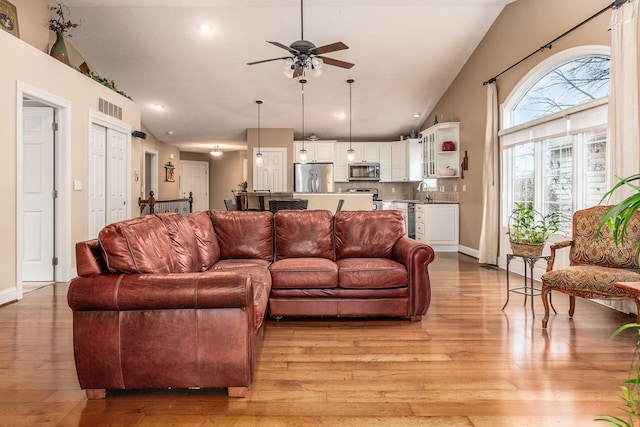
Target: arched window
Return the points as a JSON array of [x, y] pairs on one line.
[[554, 134]]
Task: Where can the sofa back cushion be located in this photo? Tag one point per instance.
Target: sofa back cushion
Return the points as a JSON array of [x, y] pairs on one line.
[[244, 234], [206, 237], [183, 241], [367, 234], [138, 245], [301, 234]]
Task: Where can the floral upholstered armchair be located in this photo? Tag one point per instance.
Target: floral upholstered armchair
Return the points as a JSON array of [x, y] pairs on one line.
[[596, 263]]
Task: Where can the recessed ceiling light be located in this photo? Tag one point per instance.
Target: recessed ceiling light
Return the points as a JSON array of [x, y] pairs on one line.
[[170, 133], [341, 115], [416, 115], [205, 28], [158, 107]]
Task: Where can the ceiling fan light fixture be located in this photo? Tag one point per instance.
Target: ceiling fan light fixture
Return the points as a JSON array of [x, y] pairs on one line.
[[216, 151]]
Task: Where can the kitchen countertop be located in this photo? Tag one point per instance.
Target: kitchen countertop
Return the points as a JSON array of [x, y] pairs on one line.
[[424, 202]]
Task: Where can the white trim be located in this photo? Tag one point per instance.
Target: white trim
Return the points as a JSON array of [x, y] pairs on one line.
[[469, 251], [64, 272], [542, 69]]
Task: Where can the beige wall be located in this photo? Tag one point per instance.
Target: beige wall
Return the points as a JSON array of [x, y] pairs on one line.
[[270, 137], [31, 66], [33, 22], [225, 173], [523, 26], [166, 190]]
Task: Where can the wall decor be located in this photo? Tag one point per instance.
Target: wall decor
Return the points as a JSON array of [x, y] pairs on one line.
[[9, 18], [169, 172]]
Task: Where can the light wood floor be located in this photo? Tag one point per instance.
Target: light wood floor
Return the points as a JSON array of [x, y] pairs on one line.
[[466, 364]]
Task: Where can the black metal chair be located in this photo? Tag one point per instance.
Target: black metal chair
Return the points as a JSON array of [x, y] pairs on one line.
[[276, 205], [228, 203], [340, 203]]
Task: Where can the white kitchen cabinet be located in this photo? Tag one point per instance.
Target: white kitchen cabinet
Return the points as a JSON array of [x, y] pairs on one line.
[[386, 164], [438, 226], [340, 164], [434, 159], [366, 152], [317, 151], [404, 208], [399, 162]]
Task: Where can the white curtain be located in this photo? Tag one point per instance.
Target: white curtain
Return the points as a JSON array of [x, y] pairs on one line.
[[490, 232], [623, 101]]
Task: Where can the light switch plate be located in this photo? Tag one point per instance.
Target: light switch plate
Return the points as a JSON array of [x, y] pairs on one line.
[[77, 185]]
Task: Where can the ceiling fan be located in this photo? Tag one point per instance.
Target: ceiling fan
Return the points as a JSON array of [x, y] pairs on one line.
[[306, 56]]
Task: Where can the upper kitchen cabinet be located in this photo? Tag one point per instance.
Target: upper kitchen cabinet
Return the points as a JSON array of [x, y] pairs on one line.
[[440, 150], [317, 151], [366, 152], [406, 161], [340, 164]]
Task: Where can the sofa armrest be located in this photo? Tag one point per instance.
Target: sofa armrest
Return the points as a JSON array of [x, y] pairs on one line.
[[119, 292], [416, 257], [554, 248]]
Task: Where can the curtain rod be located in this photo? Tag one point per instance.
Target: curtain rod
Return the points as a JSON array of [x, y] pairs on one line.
[[616, 4]]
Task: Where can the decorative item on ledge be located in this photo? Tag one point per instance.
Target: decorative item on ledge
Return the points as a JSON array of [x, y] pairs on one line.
[[60, 25], [9, 18], [169, 172], [103, 81]]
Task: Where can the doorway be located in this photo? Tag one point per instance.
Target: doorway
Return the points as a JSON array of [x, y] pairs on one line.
[[149, 173], [194, 178], [53, 210]]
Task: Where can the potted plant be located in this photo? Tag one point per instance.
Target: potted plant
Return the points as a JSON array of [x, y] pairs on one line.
[[617, 219], [529, 229]]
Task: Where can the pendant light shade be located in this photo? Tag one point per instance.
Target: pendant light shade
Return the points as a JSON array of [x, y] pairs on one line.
[[216, 152], [259, 153], [351, 153], [303, 152]]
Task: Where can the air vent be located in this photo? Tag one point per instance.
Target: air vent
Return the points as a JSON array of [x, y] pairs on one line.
[[109, 109]]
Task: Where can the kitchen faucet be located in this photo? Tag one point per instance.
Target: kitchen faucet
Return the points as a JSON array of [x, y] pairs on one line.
[[422, 186]]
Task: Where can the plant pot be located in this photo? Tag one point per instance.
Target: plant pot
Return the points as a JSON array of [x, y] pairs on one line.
[[59, 50], [527, 249]]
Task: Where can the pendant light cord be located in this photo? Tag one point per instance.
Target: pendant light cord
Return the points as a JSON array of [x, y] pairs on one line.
[[350, 81], [303, 81]]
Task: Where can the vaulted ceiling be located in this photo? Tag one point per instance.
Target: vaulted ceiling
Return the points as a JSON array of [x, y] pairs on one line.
[[406, 53]]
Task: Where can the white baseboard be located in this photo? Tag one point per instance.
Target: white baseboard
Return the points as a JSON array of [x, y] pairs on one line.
[[9, 295], [469, 251]]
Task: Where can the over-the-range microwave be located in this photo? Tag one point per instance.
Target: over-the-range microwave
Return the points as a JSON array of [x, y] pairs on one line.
[[364, 172]]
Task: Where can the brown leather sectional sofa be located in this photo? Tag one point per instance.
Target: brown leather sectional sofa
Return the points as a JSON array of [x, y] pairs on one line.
[[172, 301]]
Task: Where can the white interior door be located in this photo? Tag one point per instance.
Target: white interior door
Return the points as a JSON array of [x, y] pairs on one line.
[[97, 179], [194, 178], [117, 176], [38, 194], [272, 175], [108, 177]]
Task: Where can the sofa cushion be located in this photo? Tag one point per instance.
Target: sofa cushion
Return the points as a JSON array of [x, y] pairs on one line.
[[599, 281], [260, 282], [367, 234], [206, 237], [243, 234], [183, 241], [304, 273], [138, 245], [371, 273], [303, 234]]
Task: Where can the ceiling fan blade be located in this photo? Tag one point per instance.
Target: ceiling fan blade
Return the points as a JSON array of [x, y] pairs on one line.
[[336, 62], [297, 73], [333, 47], [280, 45], [267, 60]]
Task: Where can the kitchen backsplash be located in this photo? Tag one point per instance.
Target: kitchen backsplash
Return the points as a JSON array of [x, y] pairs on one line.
[[441, 190]]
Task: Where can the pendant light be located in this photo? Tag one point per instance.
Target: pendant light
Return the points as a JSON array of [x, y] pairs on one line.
[[351, 153], [303, 153], [259, 153]]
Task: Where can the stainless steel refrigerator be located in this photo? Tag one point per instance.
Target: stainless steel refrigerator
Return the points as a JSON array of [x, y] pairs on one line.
[[313, 177]]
